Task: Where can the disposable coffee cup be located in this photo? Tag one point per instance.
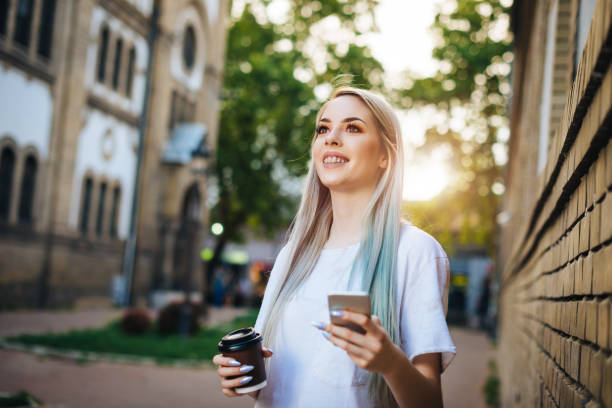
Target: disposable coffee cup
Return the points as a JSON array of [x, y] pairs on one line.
[[244, 346]]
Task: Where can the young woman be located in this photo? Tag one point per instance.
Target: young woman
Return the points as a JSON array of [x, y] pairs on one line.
[[348, 235]]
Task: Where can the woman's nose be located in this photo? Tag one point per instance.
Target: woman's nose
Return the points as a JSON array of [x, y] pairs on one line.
[[333, 137]]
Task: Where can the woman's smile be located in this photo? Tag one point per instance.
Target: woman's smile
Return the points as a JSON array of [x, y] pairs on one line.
[[333, 160], [347, 151]]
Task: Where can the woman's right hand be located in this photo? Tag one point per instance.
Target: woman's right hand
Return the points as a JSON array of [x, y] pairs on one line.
[[229, 367]]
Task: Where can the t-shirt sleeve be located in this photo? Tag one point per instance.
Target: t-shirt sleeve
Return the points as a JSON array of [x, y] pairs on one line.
[[266, 304], [423, 327]]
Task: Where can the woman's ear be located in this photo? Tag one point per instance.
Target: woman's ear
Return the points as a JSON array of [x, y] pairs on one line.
[[383, 162]]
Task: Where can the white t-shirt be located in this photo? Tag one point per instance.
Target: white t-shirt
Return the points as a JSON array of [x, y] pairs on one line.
[[307, 370]]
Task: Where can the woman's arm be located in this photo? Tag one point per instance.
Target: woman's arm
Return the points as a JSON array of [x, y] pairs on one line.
[[412, 384], [404, 378]]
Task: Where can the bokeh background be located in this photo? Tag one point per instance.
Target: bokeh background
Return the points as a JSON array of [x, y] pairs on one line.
[[153, 152]]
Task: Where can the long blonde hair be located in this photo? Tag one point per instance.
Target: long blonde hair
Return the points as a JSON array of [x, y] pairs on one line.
[[375, 261]]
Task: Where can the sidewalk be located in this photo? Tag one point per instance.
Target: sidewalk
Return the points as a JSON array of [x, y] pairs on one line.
[[70, 384]]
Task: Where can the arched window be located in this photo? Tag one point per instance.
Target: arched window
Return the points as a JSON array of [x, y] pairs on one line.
[[100, 215], [86, 204], [7, 167], [117, 64], [45, 33], [4, 8], [130, 72], [189, 47], [102, 52], [114, 215], [28, 182], [23, 22]]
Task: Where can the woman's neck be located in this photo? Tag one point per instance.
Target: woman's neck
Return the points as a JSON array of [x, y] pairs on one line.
[[348, 211]]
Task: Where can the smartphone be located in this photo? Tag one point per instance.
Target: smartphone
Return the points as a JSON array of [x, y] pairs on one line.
[[354, 301]]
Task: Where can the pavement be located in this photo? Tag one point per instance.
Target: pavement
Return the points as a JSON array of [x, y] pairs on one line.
[[70, 384]]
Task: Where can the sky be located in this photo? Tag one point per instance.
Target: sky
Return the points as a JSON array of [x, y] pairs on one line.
[[405, 42]]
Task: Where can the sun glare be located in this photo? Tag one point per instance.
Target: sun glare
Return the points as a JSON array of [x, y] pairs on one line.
[[425, 180]]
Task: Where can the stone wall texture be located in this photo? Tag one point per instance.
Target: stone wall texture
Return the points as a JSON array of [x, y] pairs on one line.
[[555, 253]]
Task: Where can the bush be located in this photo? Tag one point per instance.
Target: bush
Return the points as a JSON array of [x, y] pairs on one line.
[[170, 317], [135, 322], [491, 386]]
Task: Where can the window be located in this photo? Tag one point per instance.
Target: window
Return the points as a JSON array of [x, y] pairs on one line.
[[7, 166], [23, 22], [28, 183], [100, 216], [102, 54], [45, 35], [181, 109], [4, 8], [583, 25], [117, 65], [189, 47], [87, 190], [115, 211], [547, 86], [130, 72]]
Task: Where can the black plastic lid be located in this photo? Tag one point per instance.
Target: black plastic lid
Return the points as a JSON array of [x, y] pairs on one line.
[[239, 340]]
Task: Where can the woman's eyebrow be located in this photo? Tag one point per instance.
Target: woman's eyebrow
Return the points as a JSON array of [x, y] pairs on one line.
[[351, 119]]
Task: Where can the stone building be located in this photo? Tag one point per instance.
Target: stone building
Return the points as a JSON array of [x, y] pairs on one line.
[[74, 109], [556, 226]]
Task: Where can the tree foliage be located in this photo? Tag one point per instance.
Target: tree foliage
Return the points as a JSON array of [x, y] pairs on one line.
[[269, 104], [471, 85]]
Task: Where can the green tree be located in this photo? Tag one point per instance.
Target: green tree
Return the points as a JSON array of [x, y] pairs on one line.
[[269, 107], [472, 85]]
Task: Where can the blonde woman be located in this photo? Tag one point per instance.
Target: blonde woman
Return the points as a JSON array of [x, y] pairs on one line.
[[348, 235]]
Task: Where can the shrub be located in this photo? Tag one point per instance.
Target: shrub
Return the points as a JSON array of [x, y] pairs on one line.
[[170, 317], [135, 321]]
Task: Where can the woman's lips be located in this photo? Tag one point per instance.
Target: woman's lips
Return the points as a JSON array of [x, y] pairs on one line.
[[333, 159]]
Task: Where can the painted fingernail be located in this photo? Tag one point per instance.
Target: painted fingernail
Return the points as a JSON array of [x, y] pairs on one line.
[[246, 368], [337, 313], [245, 380], [326, 335], [234, 363], [318, 325], [269, 349]]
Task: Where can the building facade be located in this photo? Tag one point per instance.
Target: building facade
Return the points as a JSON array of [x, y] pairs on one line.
[[75, 109], [556, 225]]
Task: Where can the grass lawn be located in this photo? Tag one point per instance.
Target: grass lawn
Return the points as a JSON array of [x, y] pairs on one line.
[[164, 349]]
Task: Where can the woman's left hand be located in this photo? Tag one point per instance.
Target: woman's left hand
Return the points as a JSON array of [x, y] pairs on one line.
[[372, 351]]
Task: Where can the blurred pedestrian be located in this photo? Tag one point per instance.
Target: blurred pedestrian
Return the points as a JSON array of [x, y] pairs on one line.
[[348, 235]]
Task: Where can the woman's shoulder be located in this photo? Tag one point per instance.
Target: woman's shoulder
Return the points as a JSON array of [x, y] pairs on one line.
[[417, 244]]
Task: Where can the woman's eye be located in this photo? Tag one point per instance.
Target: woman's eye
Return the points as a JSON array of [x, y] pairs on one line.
[[321, 130], [353, 128]]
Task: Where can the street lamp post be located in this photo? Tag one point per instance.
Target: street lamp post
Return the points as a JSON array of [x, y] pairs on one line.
[[199, 167]]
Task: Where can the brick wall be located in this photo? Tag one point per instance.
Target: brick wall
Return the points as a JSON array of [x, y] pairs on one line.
[[556, 251]]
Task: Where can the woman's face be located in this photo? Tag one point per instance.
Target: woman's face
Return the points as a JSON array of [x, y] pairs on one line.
[[347, 151]]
